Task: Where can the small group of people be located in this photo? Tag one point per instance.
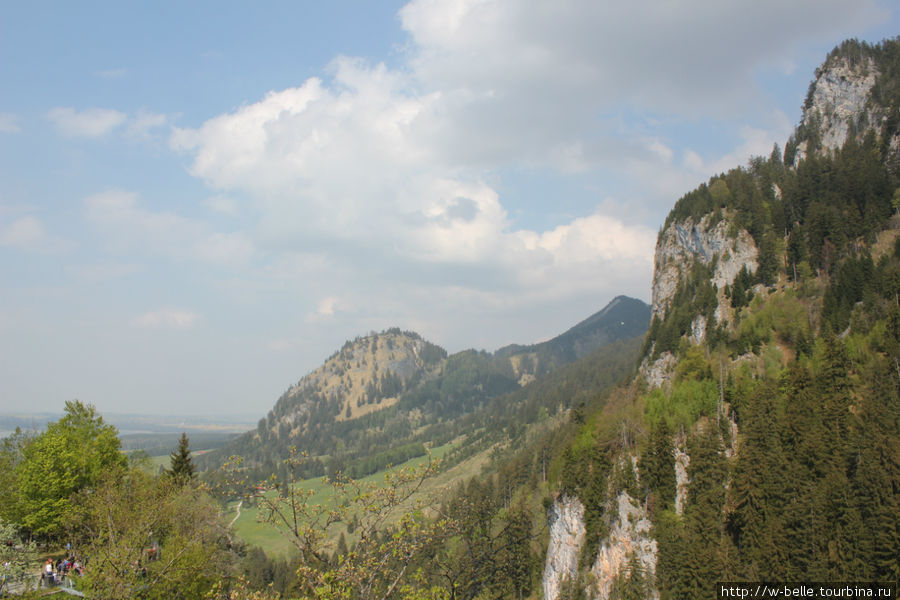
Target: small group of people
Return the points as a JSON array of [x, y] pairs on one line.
[[63, 568]]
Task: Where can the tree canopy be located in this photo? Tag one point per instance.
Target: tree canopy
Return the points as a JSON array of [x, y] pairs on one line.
[[72, 454]]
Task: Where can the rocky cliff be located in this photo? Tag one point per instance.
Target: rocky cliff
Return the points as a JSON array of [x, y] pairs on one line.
[[629, 539], [712, 243], [716, 243], [566, 516], [730, 262], [845, 100]]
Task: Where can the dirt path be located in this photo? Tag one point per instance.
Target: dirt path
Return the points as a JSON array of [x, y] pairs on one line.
[[238, 515]]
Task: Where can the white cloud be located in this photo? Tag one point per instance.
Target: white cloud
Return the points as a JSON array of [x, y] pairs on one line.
[[327, 306], [142, 125], [98, 122], [654, 52], [9, 123], [661, 150], [692, 160], [91, 122], [347, 167], [166, 318], [494, 84], [387, 178], [25, 233]]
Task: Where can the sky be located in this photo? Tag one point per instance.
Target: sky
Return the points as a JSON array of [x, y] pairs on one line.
[[201, 201]]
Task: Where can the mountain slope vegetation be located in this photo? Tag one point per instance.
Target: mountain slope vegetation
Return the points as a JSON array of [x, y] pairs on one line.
[[768, 444], [385, 397]]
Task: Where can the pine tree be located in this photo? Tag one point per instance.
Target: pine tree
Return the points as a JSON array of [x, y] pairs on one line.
[[758, 489], [657, 467], [631, 583], [704, 539], [181, 468]]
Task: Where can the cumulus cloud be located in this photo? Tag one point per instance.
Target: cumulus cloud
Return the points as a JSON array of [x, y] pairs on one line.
[[685, 56], [165, 318], [98, 122], [351, 164], [91, 122], [389, 175], [143, 124]]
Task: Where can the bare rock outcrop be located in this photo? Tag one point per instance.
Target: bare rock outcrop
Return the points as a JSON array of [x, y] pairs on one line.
[[566, 538], [629, 536], [685, 241]]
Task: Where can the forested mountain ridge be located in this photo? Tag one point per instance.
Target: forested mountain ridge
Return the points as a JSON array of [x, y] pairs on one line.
[[622, 318], [767, 443], [385, 397]]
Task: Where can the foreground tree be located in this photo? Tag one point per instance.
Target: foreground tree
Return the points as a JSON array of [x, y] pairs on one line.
[[149, 537], [391, 533], [73, 454]]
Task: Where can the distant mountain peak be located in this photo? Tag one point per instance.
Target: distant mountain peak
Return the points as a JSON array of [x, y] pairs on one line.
[[621, 318], [367, 374]]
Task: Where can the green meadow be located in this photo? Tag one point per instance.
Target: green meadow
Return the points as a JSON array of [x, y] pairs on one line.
[[248, 527]]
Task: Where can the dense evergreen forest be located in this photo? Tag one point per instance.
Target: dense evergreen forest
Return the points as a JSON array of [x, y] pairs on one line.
[[789, 411]]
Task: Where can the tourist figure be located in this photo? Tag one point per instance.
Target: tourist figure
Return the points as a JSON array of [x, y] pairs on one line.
[[48, 572]]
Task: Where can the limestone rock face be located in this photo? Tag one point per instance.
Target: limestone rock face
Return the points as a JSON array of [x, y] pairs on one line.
[[685, 241], [658, 372], [698, 329], [629, 535], [566, 538], [841, 101]]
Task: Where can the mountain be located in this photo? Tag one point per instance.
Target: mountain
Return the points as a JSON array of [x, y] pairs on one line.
[[753, 433], [383, 398], [622, 318], [760, 439]]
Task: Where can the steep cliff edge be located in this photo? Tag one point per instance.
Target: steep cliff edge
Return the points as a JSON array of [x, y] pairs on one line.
[[706, 241], [852, 95], [719, 245], [771, 364], [566, 516]]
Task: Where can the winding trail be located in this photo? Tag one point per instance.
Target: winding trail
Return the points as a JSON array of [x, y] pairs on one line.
[[238, 515]]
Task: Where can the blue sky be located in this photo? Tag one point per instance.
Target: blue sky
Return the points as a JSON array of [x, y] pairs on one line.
[[201, 201]]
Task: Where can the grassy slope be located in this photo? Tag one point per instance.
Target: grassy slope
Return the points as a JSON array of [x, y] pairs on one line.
[[255, 533]]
